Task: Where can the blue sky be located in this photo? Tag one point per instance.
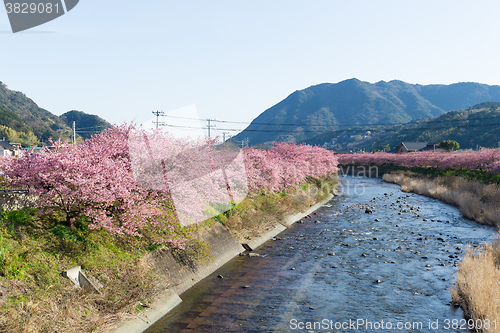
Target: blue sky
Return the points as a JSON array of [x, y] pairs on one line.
[[234, 59]]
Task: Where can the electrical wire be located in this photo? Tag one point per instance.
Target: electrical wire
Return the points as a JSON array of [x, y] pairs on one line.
[[340, 130], [313, 125]]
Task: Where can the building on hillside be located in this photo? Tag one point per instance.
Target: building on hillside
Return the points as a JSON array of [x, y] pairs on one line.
[[407, 147], [19, 149], [8, 149]]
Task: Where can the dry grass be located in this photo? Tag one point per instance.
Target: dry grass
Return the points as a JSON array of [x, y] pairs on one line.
[[477, 288], [476, 201], [65, 308], [34, 297]]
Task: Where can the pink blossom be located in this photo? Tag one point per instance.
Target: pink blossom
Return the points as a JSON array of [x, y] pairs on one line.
[[485, 159], [99, 179]]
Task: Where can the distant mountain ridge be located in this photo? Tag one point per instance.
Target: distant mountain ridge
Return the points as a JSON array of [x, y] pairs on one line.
[[87, 124], [477, 126], [23, 121], [334, 106]]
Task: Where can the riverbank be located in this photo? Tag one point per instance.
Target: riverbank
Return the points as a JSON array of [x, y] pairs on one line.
[[477, 201], [477, 287], [395, 264], [253, 222], [131, 273], [184, 275]]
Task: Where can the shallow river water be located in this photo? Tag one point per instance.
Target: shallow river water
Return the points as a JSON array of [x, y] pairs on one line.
[[342, 270]]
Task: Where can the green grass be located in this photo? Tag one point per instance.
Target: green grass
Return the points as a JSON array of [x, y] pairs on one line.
[[35, 250], [30, 252], [263, 210]]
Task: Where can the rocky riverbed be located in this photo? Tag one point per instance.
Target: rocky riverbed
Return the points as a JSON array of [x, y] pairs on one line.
[[371, 258]]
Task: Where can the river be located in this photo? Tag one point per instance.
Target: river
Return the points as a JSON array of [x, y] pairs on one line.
[[343, 269]]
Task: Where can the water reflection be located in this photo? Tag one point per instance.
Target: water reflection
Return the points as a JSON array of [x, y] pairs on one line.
[[376, 260]]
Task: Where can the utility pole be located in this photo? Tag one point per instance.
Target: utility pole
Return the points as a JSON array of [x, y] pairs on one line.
[[209, 126], [224, 136], [244, 143], [157, 114], [74, 133]]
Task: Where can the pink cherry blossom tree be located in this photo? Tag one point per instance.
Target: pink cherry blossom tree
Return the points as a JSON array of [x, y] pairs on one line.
[[125, 180], [485, 159], [92, 180]]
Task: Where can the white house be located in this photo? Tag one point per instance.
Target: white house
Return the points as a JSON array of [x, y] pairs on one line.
[[7, 149]]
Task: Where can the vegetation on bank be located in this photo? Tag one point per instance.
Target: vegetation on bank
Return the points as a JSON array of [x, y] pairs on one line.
[[102, 207], [482, 166], [476, 201], [34, 250], [469, 181], [482, 176], [484, 159], [477, 286], [264, 210]]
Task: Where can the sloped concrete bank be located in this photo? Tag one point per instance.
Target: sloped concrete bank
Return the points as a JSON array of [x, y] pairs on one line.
[[183, 272]]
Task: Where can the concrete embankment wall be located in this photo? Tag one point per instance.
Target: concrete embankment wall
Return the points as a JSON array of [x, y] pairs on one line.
[[183, 272]]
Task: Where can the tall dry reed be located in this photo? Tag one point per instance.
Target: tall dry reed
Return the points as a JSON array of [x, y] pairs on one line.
[[476, 201], [477, 288]]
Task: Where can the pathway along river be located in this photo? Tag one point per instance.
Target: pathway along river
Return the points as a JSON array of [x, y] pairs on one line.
[[344, 269]]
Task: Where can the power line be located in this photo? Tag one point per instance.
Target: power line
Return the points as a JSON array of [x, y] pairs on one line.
[[337, 125], [88, 131], [92, 127], [342, 130]]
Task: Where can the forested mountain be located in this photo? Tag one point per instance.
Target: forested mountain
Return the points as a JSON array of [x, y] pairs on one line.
[[86, 124], [328, 107], [479, 125], [23, 121]]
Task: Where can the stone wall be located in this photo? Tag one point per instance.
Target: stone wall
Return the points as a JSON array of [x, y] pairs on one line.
[[16, 201]]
